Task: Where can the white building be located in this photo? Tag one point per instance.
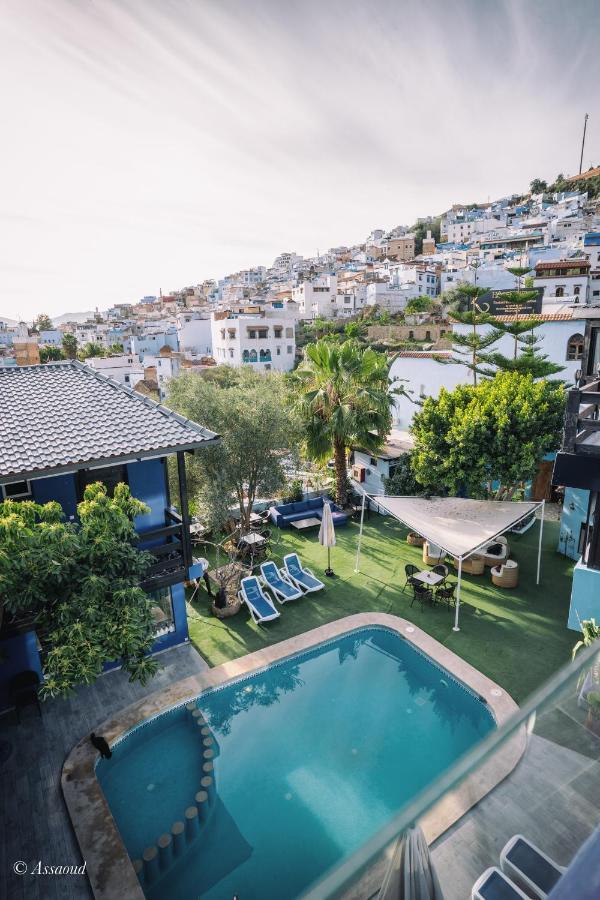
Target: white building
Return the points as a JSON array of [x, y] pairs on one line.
[[123, 369], [369, 470], [564, 280], [392, 299], [194, 334], [425, 373], [316, 298], [423, 280], [167, 366], [350, 303], [264, 340]]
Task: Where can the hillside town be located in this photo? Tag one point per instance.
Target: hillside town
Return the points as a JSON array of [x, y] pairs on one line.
[[399, 286]]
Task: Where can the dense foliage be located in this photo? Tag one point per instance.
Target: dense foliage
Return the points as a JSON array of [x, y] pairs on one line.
[[79, 584], [402, 482], [486, 441], [69, 345], [344, 399], [251, 413]]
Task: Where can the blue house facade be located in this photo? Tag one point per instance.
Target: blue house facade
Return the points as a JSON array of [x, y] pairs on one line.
[[577, 467], [64, 426]]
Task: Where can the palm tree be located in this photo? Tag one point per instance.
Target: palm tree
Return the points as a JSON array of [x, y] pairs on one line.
[[69, 345], [345, 398]]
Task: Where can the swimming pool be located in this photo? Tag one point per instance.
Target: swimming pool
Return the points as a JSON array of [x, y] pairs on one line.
[[309, 758]]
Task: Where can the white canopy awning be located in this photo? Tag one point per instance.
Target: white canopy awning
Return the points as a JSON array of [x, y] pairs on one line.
[[459, 526]]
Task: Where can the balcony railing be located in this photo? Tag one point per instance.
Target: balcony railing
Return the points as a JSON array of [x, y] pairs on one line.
[[166, 544], [582, 420]]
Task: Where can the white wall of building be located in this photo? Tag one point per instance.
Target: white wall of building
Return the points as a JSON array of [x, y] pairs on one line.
[[124, 369], [316, 298], [195, 335], [424, 378], [264, 342]]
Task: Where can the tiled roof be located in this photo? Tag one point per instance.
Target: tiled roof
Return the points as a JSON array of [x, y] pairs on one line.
[[424, 354], [64, 416], [576, 261]]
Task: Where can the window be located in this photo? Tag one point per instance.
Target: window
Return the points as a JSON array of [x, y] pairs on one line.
[[16, 490], [411, 335], [290, 349], [575, 347], [245, 356], [576, 289], [279, 351], [278, 330], [560, 292], [231, 352], [110, 476], [162, 610], [253, 356], [427, 335], [289, 332]]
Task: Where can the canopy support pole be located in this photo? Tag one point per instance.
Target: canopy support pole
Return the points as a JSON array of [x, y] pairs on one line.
[[539, 564], [362, 519], [456, 628]]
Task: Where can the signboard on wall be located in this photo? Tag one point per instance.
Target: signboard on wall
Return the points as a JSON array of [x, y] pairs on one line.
[[493, 303]]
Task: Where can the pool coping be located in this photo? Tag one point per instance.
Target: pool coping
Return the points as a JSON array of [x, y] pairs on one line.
[[109, 869]]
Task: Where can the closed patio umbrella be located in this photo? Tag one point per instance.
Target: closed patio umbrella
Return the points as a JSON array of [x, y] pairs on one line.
[[327, 535], [411, 875]]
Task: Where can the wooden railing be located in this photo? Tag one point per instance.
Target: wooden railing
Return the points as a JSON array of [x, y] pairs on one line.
[[582, 419]]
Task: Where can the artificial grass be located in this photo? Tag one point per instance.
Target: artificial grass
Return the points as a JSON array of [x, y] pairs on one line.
[[516, 637]]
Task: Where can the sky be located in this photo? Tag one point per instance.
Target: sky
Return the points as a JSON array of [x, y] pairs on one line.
[[150, 144]]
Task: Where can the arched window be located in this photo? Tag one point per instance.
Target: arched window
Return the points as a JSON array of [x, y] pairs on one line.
[[265, 356], [253, 356], [245, 357], [560, 292], [575, 347], [576, 289]]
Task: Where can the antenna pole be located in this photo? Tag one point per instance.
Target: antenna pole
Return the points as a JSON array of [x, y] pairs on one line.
[[583, 142]]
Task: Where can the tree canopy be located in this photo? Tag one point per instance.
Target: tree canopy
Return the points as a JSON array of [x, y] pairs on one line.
[[251, 413], [51, 354], [344, 399], [69, 345], [43, 322], [489, 439], [80, 584]]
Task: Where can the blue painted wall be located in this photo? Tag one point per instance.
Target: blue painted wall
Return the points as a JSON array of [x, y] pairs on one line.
[[19, 654], [585, 596], [61, 488], [571, 521], [147, 482]]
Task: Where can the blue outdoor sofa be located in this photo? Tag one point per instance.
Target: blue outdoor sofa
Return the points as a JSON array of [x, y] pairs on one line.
[[305, 509]]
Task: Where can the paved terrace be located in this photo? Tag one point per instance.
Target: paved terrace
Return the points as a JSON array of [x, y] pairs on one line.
[[34, 822]]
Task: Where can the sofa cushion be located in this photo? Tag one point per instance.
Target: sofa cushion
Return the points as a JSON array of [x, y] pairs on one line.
[[315, 503], [284, 508]]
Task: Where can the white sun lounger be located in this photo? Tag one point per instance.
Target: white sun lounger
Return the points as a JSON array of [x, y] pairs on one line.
[[494, 885], [282, 587], [260, 604], [529, 867], [302, 577]]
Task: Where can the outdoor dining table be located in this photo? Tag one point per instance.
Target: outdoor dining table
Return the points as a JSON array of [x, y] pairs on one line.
[[253, 539], [428, 578]]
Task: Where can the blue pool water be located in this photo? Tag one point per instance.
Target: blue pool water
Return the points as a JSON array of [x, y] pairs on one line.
[[314, 755]]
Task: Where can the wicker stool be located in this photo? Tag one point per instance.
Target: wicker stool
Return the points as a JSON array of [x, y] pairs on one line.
[[432, 555], [414, 539], [472, 565], [506, 575]]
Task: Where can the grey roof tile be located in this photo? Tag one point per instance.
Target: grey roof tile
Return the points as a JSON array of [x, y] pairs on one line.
[[59, 415]]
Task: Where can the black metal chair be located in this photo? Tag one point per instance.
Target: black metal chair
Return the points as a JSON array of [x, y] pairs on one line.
[[23, 691], [422, 594], [409, 571], [441, 569], [445, 594]]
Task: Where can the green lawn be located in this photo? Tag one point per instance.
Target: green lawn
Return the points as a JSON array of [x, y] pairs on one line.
[[516, 637]]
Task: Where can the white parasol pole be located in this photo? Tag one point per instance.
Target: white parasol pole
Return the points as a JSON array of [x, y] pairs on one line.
[[456, 628], [540, 543], [362, 518]]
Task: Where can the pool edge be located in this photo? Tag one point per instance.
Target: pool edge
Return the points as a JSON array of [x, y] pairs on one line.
[[108, 866]]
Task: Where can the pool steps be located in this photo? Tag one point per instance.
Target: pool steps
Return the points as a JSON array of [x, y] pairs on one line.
[[170, 846]]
